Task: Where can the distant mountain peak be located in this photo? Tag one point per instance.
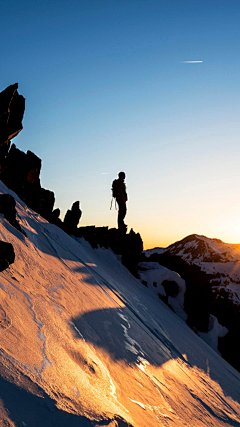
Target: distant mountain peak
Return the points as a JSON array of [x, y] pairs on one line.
[[204, 249]]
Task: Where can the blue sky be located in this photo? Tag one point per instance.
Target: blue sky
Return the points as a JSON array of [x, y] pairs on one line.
[[106, 90]]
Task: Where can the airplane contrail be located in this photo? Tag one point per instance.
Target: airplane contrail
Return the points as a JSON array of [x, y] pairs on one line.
[[191, 62]]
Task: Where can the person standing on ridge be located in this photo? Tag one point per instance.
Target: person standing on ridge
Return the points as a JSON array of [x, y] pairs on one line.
[[120, 194]]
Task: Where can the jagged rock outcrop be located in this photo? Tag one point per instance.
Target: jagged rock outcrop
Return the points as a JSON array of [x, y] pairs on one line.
[[18, 170], [72, 219], [94, 235], [54, 218], [21, 168], [21, 173], [7, 255], [8, 209], [129, 246], [132, 249], [12, 106]]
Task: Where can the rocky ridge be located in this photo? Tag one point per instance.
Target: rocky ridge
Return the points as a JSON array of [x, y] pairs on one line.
[[20, 172]]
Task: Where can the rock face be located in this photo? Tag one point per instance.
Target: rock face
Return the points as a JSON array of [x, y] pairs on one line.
[[8, 209], [18, 170], [131, 251], [211, 269], [12, 106], [72, 219], [7, 255], [21, 173], [54, 218], [129, 246]]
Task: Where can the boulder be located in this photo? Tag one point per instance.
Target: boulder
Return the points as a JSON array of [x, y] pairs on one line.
[[72, 219], [8, 209], [171, 288], [7, 255], [54, 218]]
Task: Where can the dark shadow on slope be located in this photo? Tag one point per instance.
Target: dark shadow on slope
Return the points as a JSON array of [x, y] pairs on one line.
[[124, 335], [26, 409], [19, 234], [119, 331]]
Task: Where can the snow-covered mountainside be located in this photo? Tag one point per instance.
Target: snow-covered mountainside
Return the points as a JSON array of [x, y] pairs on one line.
[[213, 256], [222, 260], [211, 269], [84, 343], [165, 284]]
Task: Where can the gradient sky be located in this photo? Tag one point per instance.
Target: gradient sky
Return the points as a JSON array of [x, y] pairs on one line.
[[107, 89]]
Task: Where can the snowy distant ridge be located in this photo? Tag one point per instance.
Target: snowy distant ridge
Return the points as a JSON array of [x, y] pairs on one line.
[[200, 248], [195, 248], [214, 257]]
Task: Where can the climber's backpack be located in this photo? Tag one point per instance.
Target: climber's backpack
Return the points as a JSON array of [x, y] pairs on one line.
[[114, 188], [114, 193]]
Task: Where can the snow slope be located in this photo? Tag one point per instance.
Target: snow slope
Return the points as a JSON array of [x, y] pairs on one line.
[[154, 275], [83, 343]]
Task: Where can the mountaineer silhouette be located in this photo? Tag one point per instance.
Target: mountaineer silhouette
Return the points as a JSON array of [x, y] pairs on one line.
[[120, 195]]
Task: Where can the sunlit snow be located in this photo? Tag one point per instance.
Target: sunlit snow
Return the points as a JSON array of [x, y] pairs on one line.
[[84, 343]]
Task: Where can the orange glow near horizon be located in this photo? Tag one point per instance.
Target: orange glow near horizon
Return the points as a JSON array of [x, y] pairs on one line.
[[230, 235]]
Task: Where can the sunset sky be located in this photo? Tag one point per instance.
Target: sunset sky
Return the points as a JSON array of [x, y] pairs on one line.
[[110, 86]]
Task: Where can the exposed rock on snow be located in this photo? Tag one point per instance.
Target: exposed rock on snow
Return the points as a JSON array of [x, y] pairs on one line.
[[72, 219], [8, 209], [7, 255], [54, 218], [21, 173], [158, 279]]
